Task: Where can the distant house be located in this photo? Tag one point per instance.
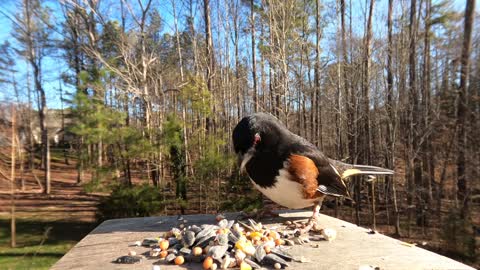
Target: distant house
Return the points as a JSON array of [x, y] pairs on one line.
[[56, 129], [57, 133]]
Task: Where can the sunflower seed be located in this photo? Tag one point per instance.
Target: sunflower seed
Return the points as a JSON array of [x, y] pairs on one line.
[[128, 259], [271, 259], [217, 252], [188, 238]]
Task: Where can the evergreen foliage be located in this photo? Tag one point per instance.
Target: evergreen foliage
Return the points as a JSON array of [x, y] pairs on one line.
[[130, 201], [96, 123], [173, 140]]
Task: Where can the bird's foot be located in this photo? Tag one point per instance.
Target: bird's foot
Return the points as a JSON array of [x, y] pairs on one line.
[[311, 224]]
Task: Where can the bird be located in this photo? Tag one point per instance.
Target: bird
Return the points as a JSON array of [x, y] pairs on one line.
[[288, 169]]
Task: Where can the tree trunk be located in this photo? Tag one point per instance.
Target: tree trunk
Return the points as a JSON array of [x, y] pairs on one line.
[[209, 54], [425, 109], [365, 89], [462, 189], [13, 232], [391, 126], [412, 160], [349, 108], [236, 44], [254, 57], [184, 120], [317, 109]]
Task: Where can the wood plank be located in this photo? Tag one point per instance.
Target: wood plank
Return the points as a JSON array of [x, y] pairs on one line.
[[353, 247]]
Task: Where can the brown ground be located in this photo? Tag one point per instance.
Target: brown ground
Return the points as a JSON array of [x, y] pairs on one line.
[[67, 200]]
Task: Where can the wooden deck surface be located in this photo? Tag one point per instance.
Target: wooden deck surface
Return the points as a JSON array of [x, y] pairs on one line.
[[353, 247]]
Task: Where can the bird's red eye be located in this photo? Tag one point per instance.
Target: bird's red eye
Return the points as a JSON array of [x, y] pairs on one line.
[[257, 139]]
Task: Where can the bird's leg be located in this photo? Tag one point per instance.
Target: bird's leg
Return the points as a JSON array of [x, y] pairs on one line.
[[313, 220]]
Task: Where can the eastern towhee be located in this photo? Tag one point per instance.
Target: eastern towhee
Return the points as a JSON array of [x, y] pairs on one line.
[[288, 169]]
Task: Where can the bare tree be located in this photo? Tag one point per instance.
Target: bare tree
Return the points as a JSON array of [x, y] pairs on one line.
[[391, 126], [254, 56], [462, 190], [33, 35], [210, 71], [13, 227]]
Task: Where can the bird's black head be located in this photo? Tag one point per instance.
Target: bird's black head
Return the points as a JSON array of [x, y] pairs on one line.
[[257, 131]]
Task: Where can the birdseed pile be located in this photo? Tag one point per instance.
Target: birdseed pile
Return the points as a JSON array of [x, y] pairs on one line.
[[228, 244]]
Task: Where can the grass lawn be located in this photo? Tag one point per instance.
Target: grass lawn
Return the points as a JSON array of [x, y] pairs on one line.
[[39, 243]]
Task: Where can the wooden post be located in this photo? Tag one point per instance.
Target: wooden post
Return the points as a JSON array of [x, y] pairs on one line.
[[12, 185]]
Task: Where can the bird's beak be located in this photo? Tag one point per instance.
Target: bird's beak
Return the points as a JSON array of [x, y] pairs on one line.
[[244, 158], [239, 158]]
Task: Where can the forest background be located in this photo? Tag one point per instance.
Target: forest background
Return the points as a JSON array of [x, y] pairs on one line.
[[126, 108]]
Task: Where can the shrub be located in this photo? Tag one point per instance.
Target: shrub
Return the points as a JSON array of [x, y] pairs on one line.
[[126, 201], [458, 236]]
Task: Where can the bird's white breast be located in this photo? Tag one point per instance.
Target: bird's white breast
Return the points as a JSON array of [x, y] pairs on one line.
[[286, 192]]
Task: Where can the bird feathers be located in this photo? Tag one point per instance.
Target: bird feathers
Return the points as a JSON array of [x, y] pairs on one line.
[[316, 176], [305, 172], [277, 160], [346, 170]]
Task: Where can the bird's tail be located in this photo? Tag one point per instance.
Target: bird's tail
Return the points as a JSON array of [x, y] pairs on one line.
[[346, 170]]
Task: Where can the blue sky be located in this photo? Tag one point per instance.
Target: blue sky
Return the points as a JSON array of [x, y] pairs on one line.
[[55, 65]]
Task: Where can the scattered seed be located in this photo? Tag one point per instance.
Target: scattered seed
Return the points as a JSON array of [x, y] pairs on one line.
[[149, 241], [170, 257], [252, 263], [179, 260], [329, 234], [229, 244], [207, 263], [217, 252], [197, 251], [163, 254], [164, 244], [172, 251], [223, 223], [185, 251], [154, 252], [128, 259], [245, 266], [188, 238], [226, 262], [289, 242]]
